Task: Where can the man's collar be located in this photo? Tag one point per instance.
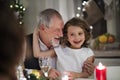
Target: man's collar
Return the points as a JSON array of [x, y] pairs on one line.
[[42, 45]]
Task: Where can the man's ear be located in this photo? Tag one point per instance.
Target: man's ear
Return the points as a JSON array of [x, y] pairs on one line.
[[42, 27]]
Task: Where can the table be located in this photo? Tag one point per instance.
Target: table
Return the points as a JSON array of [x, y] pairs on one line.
[[113, 73]]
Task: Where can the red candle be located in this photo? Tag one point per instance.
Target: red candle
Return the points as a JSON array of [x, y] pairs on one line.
[[100, 72]]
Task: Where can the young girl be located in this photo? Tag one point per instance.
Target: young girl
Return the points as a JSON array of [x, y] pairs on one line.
[[73, 51]]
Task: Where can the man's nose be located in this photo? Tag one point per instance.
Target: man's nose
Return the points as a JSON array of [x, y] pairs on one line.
[[61, 34]]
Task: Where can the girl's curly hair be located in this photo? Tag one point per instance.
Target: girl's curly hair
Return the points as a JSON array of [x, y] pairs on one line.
[[78, 22]]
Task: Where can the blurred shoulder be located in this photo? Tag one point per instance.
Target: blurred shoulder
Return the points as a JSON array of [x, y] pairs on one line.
[[87, 49]]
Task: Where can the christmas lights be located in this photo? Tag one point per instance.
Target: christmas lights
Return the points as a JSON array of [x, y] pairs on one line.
[[19, 9]]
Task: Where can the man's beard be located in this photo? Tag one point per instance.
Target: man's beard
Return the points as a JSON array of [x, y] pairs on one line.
[[54, 42]]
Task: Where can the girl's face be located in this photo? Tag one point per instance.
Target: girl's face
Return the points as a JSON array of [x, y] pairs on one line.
[[76, 36]]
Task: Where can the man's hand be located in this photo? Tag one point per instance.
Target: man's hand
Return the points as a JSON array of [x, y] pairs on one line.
[[53, 74], [89, 67]]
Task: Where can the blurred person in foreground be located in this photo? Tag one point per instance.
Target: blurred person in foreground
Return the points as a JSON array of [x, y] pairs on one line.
[[11, 42]]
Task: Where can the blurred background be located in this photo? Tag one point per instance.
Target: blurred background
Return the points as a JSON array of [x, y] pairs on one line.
[[102, 15]]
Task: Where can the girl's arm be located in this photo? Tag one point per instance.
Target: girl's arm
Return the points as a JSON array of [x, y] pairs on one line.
[[36, 49], [84, 73]]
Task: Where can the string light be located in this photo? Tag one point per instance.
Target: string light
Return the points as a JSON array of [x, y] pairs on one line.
[[78, 8], [91, 27], [84, 3], [77, 15], [83, 9], [19, 9]]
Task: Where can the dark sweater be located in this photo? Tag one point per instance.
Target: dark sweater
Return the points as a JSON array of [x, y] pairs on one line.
[[30, 62]]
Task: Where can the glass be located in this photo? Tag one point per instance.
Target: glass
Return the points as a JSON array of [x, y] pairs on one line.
[[64, 76], [44, 63]]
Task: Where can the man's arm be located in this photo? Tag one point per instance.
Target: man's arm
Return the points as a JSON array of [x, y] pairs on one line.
[[87, 70], [89, 65]]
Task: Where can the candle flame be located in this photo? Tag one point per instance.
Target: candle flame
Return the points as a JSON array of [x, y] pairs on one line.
[[100, 66]]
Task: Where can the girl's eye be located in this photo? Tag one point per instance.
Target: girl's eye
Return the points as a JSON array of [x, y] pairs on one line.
[[80, 33], [72, 34]]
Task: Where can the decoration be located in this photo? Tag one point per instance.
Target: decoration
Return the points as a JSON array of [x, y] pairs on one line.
[[19, 9], [33, 74], [106, 38], [102, 41], [100, 72]]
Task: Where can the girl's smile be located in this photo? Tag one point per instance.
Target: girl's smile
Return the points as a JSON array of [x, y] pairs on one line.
[[76, 36]]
